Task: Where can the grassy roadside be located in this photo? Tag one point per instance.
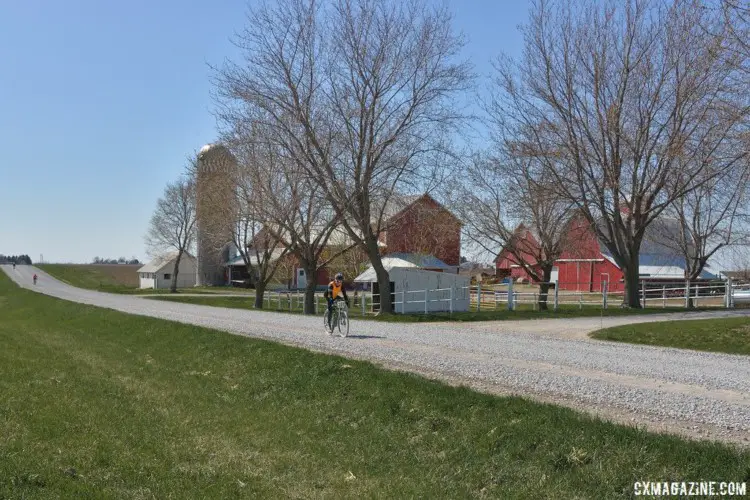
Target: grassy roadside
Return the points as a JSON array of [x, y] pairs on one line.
[[96, 403], [730, 335], [117, 278], [524, 311]]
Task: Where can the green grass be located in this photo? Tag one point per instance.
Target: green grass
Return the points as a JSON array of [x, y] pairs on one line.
[[730, 335], [106, 277], [98, 404], [112, 278], [524, 311]]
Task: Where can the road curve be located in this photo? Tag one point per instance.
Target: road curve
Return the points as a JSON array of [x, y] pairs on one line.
[[695, 394]]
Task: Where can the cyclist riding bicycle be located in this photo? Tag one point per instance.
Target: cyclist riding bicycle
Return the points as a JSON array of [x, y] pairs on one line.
[[335, 292], [35, 279]]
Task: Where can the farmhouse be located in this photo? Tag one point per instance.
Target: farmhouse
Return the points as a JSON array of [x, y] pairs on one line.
[[158, 272], [586, 264]]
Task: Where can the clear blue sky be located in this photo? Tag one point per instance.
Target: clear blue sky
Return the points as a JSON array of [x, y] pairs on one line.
[[102, 102]]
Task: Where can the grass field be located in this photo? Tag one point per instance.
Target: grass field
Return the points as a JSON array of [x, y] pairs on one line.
[[117, 278], [730, 335], [524, 311], [96, 403], [105, 277]]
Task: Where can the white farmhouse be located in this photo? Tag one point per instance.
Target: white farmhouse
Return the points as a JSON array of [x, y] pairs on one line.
[[158, 272]]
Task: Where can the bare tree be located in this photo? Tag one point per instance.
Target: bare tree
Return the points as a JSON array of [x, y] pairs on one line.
[[172, 225], [294, 211], [501, 201], [358, 92], [710, 218], [262, 251], [736, 15], [620, 102]]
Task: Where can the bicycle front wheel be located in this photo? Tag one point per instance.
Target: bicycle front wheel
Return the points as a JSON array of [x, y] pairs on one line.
[[343, 323]]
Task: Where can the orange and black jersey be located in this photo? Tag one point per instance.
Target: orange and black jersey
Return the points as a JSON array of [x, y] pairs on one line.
[[335, 291]]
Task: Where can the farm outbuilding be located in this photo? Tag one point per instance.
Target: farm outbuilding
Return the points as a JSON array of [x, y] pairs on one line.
[[158, 272], [415, 290]]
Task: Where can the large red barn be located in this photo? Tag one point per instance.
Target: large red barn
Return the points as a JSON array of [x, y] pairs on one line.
[[587, 264]]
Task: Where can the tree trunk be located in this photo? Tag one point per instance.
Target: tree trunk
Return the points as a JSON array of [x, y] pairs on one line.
[[260, 290], [632, 278], [689, 289], [173, 288], [384, 283], [544, 287], [310, 286]]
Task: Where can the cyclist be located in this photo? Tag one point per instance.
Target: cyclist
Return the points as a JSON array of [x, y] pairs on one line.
[[14, 265], [35, 279], [335, 292]]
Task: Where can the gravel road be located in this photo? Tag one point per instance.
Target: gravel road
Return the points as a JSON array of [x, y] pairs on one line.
[[695, 394]]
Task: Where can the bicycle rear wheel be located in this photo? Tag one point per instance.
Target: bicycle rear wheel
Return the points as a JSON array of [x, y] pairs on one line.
[[328, 328]]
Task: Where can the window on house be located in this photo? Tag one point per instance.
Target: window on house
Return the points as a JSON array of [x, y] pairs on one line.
[[167, 276]]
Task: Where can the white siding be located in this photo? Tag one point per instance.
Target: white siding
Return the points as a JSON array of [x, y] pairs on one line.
[[186, 276], [410, 285], [146, 282]]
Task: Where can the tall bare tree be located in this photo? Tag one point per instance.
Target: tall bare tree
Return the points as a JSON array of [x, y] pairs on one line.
[[172, 225], [359, 92], [502, 200], [292, 208], [262, 251], [620, 101]]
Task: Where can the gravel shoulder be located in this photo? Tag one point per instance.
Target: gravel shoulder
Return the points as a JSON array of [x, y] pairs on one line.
[[695, 394]]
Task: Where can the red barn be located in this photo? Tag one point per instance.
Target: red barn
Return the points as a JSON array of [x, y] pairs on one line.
[[587, 264], [421, 225], [414, 225], [507, 264]]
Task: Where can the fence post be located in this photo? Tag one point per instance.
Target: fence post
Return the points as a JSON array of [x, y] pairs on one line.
[[687, 294], [556, 295], [451, 302], [364, 299], [664, 296], [479, 298], [643, 292], [425, 301], [316, 304], [728, 291], [290, 301], [510, 294], [697, 289], [605, 290]]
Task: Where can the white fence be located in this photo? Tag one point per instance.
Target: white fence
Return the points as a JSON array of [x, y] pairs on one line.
[[652, 294], [724, 294]]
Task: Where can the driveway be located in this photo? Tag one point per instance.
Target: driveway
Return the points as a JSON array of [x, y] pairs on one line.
[[696, 394]]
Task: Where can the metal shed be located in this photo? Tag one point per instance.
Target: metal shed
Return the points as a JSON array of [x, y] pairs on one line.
[[415, 290]]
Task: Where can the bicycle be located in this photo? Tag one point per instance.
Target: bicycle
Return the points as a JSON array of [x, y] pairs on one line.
[[339, 320]]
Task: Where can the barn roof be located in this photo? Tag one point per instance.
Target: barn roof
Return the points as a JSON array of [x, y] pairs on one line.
[[160, 262], [398, 260]]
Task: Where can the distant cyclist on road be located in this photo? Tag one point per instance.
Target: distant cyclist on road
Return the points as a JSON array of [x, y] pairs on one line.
[[35, 279], [14, 266], [335, 292]]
